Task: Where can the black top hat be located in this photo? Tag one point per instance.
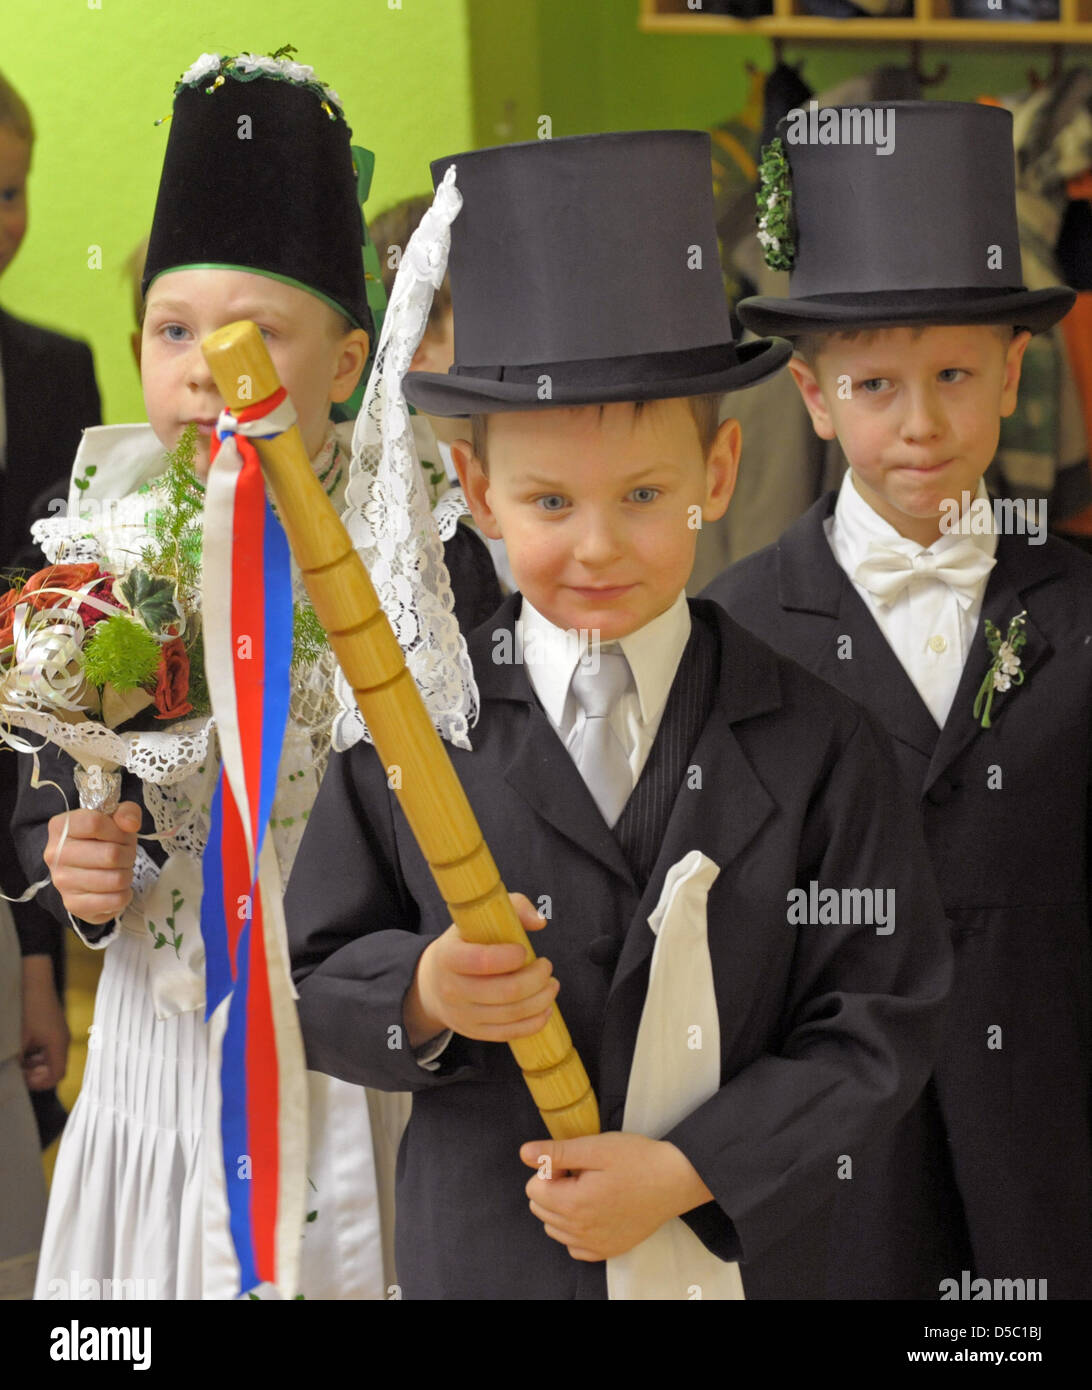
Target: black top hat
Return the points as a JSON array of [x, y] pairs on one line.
[[585, 270], [923, 231], [259, 175]]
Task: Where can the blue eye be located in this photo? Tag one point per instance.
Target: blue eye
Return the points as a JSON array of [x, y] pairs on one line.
[[951, 374], [645, 494], [547, 504], [174, 332], [874, 384]]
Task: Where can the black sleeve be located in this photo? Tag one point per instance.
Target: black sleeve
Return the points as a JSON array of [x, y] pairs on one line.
[[35, 806], [354, 933]]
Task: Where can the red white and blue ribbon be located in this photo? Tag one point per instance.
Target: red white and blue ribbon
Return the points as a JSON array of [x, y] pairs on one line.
[[247, 616]]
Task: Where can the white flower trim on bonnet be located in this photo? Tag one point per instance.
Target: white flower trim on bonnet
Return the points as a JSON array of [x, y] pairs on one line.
[[246, 66], [387, 510]]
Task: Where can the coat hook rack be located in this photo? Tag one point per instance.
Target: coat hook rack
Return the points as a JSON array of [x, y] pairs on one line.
[[1057, 59], [925, 79]]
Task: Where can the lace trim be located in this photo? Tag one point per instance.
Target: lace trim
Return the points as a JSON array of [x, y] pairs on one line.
[[387, 513], [446, 513]]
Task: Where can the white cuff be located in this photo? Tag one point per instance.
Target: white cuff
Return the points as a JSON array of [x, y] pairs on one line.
[[429, 1053]]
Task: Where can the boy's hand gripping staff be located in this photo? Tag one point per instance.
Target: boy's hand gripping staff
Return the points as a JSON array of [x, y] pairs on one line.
[[431, 795]]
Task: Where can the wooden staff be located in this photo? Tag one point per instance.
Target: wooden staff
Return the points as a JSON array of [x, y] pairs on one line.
[[431, 795]]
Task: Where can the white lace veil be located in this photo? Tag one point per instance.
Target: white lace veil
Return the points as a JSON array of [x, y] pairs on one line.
[[387, 510]]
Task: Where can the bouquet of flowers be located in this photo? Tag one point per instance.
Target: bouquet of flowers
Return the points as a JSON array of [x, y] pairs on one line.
[[78, 640], [110, 635], [89, 643]]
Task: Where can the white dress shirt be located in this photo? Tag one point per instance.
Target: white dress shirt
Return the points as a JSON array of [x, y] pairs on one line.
[[653, 652], [550, 655], [926, 626]]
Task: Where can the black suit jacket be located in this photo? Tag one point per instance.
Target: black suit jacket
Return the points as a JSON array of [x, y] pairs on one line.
[[827, 1032], [1007, 814], [50, 398]]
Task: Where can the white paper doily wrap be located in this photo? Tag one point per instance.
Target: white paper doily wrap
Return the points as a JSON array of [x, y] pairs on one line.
[[387, 512], [161, 758], [115, 528], [178, 766]]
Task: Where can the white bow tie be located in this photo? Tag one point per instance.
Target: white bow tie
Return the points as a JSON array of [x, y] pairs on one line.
[[891, 565]]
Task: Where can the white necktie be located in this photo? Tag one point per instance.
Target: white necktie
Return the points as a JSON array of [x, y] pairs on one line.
[[598, 751], [891, 565]]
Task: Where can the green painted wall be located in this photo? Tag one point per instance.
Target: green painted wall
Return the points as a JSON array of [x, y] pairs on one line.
[[505, 68], [588, 67], [97, 78], [597, 71], [424, 78]]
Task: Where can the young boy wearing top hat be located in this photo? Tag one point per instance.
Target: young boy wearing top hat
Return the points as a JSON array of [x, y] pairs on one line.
[[642, 769], [968, 638], [258, 217]]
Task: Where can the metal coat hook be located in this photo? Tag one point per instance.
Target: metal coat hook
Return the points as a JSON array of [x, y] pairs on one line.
[[1057, 58], [925, 79]]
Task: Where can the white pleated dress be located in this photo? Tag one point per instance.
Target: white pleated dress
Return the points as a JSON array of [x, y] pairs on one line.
[[136, 1207]]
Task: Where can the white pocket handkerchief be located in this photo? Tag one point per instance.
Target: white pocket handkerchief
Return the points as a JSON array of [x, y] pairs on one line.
[[676, 1066]]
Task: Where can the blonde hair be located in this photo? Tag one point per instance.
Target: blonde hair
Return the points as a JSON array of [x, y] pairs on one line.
[[133, 270], [808, 346], [393, 228], [704, 409], [14, 112]]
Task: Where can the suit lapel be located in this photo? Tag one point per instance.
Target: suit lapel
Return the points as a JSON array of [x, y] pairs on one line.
[[12, 482], [1020, 568], [810, 580], [544, 774], [539, 768], [20, 392], [720, 819]]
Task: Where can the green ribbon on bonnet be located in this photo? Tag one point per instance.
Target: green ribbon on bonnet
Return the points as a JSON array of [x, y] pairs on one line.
[[364, 168]]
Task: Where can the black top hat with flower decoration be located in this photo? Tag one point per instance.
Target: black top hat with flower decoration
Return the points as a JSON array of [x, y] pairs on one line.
[[585, 270], [259, 175], [920, 229]]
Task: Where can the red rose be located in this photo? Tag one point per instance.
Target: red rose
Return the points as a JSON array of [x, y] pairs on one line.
[[89, 614], [57, 577], [7, 616], [173, 682]]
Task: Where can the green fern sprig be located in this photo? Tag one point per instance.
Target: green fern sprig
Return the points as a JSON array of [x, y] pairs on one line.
[[176, 549], [309, 639]]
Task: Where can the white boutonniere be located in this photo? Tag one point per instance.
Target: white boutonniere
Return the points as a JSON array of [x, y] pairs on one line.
[[1005, 669]]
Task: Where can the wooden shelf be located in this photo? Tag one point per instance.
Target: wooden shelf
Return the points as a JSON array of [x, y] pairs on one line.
[[931, 22]]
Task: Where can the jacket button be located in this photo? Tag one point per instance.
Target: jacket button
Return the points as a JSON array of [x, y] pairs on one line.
[[604, 951], [940, 792]]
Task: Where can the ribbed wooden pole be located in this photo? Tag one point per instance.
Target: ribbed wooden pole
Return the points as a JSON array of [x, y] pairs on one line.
[[431, 795]]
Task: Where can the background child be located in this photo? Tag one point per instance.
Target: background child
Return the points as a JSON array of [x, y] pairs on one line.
[[48, 395], [274, 234], [712, 782], [910, 323]]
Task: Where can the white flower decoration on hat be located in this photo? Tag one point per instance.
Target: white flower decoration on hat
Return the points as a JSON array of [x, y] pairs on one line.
[[258, 62], [206, 64]]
